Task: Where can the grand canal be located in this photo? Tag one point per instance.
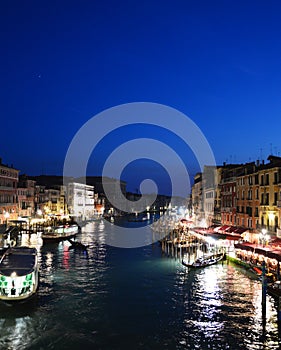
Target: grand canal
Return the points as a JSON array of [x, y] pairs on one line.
[[114, 298]]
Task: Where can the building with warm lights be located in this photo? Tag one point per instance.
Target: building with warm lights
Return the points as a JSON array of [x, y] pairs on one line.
[[248, 196], [26, 196], [197, 199], [80, 200], [9, 177]]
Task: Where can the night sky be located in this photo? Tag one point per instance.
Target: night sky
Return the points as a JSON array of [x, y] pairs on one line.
[[62, 62]]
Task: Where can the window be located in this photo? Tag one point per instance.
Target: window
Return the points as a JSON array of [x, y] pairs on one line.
[[275, 177], [267, 199], [249, 211], [257, 193], [275, 198], [250, 222], [266, 179], [249, 194]]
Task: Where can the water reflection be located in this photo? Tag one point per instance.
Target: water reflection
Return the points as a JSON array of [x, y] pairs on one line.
[[223, 310], [116, 298]]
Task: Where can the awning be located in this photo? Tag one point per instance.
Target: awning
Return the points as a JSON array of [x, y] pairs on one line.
[[223, 228], [240, 230], [233, 237], [276, 242], [230, 229], [267, 251]]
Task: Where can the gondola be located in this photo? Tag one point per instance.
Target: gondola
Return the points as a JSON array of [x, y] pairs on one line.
[[274, 289], [204, 261]]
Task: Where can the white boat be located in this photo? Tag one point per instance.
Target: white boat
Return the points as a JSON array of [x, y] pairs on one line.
[[19, 274], [60, 233]]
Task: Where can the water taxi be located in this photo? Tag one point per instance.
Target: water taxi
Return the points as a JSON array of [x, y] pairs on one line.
[[19, 275], [60, 233]]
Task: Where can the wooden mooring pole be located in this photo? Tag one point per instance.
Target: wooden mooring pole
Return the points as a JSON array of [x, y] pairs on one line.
[[279, 310], [264, 287]]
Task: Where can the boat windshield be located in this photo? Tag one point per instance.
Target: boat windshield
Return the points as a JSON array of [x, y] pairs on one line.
[[20, 263]]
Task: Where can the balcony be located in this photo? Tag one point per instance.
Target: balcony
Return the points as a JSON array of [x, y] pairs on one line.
[[7, 188], [228, 180]]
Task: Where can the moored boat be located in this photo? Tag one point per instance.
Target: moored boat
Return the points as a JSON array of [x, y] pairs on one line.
[[19, 273], [144, 219], [60, 233], [204, 261], [274, 288]]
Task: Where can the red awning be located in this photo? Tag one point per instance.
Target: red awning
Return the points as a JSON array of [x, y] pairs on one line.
[[266, 251], [230, 229], [240, 230], [223, 228], [233, 237]]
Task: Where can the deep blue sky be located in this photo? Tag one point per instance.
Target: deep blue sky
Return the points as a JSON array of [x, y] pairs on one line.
[[62, 62]]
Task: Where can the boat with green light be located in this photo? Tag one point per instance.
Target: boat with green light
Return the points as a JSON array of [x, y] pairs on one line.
[[19, 273]]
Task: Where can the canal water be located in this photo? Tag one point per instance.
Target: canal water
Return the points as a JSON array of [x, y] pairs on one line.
[[114, 298]]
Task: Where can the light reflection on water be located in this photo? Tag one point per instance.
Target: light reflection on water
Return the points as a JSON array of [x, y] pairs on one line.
[[112, 298]]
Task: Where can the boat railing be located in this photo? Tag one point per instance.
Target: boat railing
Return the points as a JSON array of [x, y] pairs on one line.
[[13, 292]]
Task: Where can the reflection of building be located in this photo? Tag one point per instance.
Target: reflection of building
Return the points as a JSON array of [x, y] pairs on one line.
[[80, 199], [8, 192]]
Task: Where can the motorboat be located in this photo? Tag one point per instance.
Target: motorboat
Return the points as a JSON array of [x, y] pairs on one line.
[[19, 273], [60, 233]]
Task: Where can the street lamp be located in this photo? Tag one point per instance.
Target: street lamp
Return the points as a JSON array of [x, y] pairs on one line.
[[7, 215]]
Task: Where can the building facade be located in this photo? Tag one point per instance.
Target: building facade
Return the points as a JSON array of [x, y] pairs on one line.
[[80, 200], [9, 177], [26, 196], [248, 195]]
